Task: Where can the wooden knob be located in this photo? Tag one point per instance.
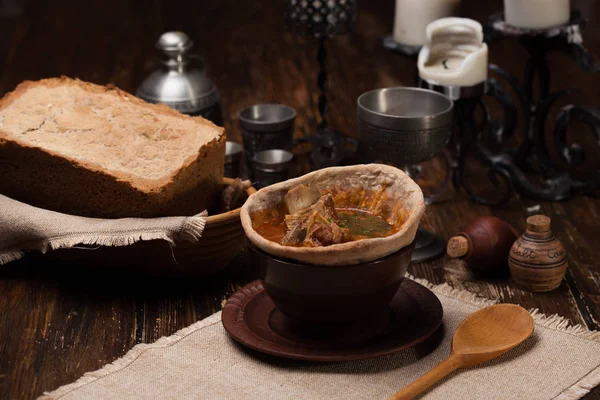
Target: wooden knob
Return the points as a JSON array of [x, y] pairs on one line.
[[458, 246], [538, 224]]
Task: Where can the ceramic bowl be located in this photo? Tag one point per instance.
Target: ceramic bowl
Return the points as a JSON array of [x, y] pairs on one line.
[[330, 294]]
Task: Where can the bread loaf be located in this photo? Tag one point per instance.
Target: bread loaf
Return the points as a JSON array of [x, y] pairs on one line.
[[96, 151]]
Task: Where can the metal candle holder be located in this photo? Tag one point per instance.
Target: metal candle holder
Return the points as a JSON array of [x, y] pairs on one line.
[[324, 19], [533, 154], [402, 127], [465, 138], [408, 50]]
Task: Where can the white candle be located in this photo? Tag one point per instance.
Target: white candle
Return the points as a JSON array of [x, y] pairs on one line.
[[412, 17], [454, 54], [537, 13]]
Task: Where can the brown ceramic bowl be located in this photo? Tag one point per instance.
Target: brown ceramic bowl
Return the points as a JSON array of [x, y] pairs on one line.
[[331, 294]]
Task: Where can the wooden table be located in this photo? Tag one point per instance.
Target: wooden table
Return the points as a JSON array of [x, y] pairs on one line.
[[57, 324]]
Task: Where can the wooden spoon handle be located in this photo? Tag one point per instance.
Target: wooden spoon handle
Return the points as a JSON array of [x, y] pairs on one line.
[[438, 372]]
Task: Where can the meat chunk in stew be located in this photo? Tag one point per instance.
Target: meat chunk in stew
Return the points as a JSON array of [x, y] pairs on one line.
[[316, 225]]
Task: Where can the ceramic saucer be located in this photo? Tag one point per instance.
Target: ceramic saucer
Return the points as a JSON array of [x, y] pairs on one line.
[[251, 319]]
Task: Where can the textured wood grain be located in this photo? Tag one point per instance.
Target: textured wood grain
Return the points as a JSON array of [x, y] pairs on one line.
[[481, 337], [59, 322]]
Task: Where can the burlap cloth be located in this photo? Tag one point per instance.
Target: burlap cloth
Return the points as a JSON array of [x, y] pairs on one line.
[[202, 362], [25, 228]]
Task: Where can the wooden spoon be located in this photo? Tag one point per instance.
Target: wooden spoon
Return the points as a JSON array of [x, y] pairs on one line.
[[482, 336]]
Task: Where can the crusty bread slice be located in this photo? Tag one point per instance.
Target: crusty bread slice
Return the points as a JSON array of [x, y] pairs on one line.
[[97, 151]]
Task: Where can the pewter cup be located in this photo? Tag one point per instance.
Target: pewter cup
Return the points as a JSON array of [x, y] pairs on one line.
[[233, 159], [403, 125], [272, 166], [267, 126]]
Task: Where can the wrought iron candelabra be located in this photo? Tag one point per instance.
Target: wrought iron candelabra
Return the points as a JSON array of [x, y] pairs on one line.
[[534, 154], [532, 158], [324, 19]]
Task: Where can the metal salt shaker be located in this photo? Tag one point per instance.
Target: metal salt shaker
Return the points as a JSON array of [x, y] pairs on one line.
[[182, 82]]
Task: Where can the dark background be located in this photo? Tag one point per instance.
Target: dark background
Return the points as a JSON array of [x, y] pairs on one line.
[[56, 323], [249, 56]]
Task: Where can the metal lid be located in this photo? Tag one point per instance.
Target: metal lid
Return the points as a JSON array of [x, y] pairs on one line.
[[182, 82], [174, 43], [456, 92]]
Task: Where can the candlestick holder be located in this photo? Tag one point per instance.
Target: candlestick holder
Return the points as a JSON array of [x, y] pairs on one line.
[[408, 50], [456, 55], [533, 155], [520, 168], [324, 20], [465, 140]]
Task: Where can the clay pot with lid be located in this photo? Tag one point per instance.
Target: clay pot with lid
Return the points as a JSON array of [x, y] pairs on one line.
[[538, 260], [484, 244]]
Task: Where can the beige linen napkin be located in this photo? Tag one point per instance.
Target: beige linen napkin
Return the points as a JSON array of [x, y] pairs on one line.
[[202, 362], [26, 228]]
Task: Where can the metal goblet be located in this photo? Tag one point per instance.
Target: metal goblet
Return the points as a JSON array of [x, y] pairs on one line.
[[405, 126]]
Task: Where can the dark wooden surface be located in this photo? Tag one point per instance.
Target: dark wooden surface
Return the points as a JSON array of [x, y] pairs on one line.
[[57, 323]]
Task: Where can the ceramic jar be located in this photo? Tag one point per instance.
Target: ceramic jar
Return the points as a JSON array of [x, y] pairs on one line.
[[537, 260], [484, 244]]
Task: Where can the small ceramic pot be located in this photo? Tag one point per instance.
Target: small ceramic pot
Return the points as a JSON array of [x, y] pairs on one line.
[[331, 294], [484, 244], [537, 260]]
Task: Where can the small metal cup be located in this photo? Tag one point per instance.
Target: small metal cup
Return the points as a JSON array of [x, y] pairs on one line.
[[272, 166], [233, 159], [267, 126], [403, 126]]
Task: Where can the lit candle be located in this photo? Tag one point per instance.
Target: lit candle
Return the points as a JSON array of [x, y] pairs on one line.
[[454, 54], [537, 13], [412, 17]]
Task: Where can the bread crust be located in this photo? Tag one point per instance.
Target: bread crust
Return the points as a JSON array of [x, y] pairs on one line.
[[62, 183]]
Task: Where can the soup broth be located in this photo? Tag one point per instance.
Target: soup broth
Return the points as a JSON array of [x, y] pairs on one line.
[[364, 225], [361, 225], [271, 229]]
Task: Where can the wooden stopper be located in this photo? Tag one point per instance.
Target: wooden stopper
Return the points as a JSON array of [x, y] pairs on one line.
[[458, 246], [538, 224]]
